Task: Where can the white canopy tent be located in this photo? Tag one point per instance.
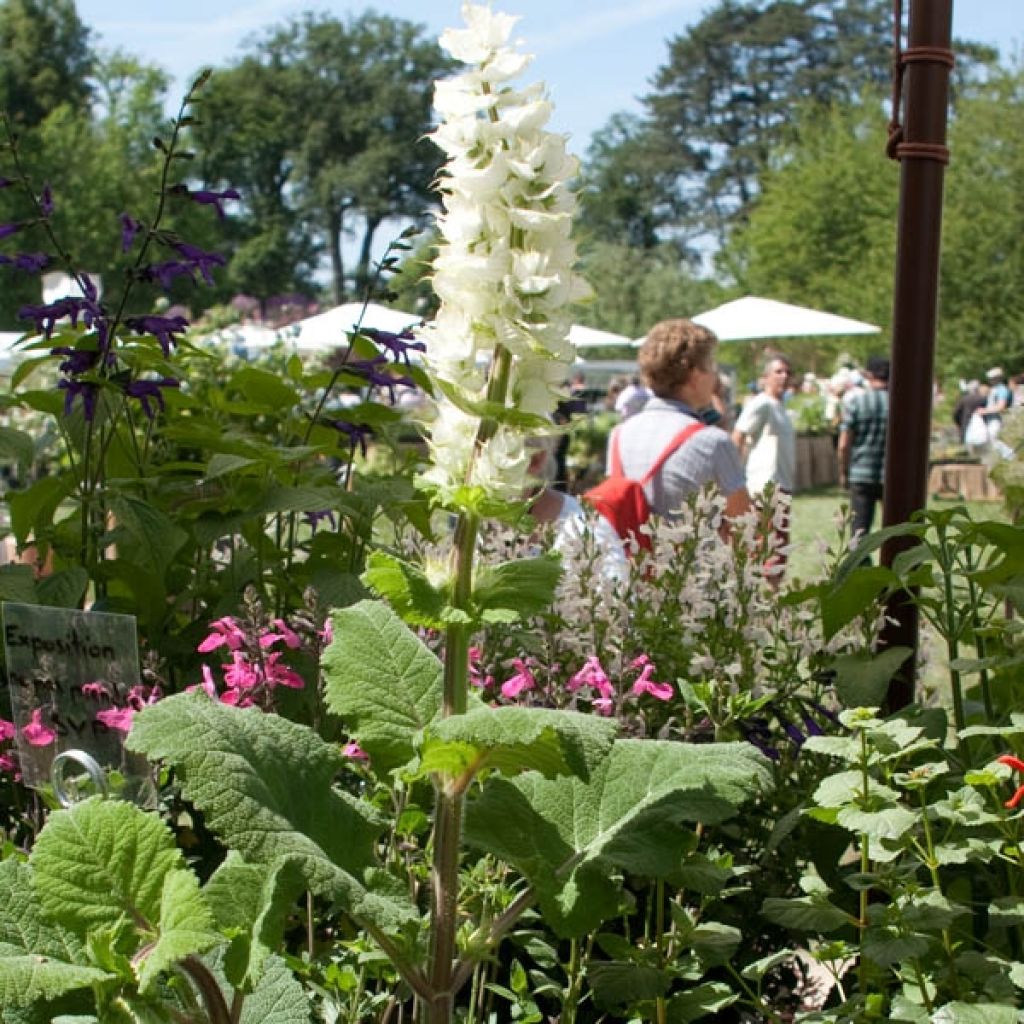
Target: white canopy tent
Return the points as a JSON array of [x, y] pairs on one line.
[[589, 337], [9, 355], [328, 330], [752, 318]]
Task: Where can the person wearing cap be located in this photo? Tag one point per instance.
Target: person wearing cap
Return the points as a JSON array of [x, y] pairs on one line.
[[997, 403], [862, 444]]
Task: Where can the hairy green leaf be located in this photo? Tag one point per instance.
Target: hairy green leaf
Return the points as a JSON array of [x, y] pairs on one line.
[[279, 997], [562, 834], [407, 589], [186, 926], [711, 997], [254, 902], [618, 984], [381, 680], [512, 739], [26, 978], [101, 861], [862, 678], [523, 587], [813, 913], [264, 785]]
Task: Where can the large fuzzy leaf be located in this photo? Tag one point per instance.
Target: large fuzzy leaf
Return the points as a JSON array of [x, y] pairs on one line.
[[279, 997], [381, 680], [253, 901], [186, 926], [100, 862], [511, 740], [563, 834], [39, 960], [518, 589], [26, 978], [264, 785]]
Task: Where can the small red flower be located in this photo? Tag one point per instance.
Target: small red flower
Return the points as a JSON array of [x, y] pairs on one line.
[[1018, 766]]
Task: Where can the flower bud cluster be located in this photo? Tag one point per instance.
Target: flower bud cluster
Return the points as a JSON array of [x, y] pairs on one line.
[[504, 267]]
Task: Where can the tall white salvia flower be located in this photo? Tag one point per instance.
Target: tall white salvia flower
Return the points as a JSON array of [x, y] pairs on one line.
[[504, 268]]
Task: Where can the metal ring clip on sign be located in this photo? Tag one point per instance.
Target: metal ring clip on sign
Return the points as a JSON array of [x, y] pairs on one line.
[[96, 774]]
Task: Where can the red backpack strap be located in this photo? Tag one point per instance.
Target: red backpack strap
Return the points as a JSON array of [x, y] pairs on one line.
[[677, 442]]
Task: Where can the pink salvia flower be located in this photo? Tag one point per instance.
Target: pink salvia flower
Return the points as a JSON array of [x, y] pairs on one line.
[[234, 698], [117, 718], [225, 633], [603, 706], [240, 673], [207, 685], [36, 734], [8, 763], [282, 675], [7, 730], [592, 675], [355, 752], [97, 690], [522, 680], [288, 635], [659, 691]]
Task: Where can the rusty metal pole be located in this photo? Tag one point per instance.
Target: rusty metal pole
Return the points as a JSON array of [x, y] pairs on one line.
[[927, 60]]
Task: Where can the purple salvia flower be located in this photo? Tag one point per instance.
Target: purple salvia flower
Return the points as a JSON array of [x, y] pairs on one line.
[[163, 328], [9, 229], [206, 197], [78, 361], [149, 391], [46, 201], [45, 317], [400, 344], [85, 390], [129, 229], [356, 434], [369, 370], [199, 260], [314, 519], [30, 262], [165, 273], [5, 182]]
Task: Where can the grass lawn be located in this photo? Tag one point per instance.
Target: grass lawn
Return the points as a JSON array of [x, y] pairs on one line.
[[814, 514]]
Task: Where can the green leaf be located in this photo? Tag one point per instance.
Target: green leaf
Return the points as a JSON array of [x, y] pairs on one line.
[[32, 510], [186, 926], [562, 833], [100, 862], [862, 678], [711, 997], [253, 901], [279, 997], [846, 748], [222, 463], [17, 584], [618, 984], [853, 595], [63, 589], [715, 943], [407, 589], [156, 537], [513, 739], [813, 913], [523, 588], [759, 968], [889, 823], [264, 387], [16, 446], [26, 978], [21, 924], [381, 680], [264, 785]]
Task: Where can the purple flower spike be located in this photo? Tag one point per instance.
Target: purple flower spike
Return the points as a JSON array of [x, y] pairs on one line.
[[30, 262], [199, 260], [149, 393], [129, 229], [45, 317], [400, 345], [314, 519], [356, 434], [206, 197], [9, 229], [80, 389], [46, 201], [165, 273], [163, 328], [78, 361]]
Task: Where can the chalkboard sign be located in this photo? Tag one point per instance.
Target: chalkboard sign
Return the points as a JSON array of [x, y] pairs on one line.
[[73, 675]]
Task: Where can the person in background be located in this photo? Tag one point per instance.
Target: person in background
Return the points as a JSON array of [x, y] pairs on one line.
[[862, 444], [764, 433], [970, 401], [632, 398], [677, 361], [574, 404], [998, 402]]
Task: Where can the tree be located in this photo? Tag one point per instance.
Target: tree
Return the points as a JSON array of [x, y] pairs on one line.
[[724, 100], [45, 59]]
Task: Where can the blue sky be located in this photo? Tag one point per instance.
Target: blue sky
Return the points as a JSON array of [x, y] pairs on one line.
[[596, 56]]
